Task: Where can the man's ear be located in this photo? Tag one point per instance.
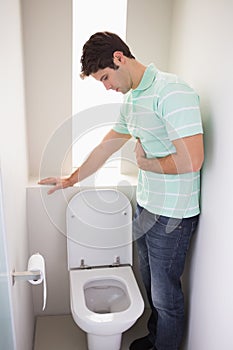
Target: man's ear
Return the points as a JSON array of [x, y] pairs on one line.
[[118, 56]]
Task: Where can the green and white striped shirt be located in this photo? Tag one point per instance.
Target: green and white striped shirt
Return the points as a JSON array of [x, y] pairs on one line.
[[161, 109]]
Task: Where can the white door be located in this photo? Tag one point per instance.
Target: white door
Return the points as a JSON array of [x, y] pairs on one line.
[[7, 339]]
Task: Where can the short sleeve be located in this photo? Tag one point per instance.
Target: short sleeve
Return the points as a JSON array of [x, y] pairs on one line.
[[180, 108]]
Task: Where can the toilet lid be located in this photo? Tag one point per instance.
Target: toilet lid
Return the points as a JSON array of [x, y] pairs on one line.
[[99, 228]]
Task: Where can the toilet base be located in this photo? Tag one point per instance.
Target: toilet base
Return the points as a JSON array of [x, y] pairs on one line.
[[104, 342]]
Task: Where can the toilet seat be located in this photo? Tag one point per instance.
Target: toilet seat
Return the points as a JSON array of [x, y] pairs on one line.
[[101, 323]]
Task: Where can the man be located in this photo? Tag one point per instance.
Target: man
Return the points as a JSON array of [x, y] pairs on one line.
[[162, 112]]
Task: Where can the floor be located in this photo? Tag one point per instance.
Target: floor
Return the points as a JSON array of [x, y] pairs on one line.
[[60, 332]]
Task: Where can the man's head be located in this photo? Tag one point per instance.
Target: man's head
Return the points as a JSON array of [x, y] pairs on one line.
[[98, 52]]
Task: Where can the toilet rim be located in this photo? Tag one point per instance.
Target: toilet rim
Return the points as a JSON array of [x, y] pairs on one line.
[[124, 275], [120, 282]]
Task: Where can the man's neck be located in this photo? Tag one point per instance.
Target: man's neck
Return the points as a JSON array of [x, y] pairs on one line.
[[137, 72]]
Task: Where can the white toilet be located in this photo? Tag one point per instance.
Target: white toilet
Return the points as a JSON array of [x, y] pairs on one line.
[[104, 295]]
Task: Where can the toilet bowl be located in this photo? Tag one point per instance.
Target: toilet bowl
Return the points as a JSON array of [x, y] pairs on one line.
[[104, 295]]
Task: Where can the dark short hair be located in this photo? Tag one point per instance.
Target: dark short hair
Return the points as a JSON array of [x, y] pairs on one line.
[[98, 52]]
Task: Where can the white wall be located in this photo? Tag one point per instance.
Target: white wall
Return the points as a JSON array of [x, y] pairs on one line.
[[202, 53], [47, 37], [13, 158], [149, 30]]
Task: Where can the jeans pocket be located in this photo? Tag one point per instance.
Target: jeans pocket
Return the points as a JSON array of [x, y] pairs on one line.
[[169, 225]]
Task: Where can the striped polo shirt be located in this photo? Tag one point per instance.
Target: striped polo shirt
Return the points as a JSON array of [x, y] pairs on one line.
[[161, 109]]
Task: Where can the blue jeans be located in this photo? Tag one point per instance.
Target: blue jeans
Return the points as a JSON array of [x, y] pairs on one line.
[[162, 244]]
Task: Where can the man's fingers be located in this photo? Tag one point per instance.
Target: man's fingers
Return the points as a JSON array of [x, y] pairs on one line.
[[54, 189], [58, 183], [48, 181]]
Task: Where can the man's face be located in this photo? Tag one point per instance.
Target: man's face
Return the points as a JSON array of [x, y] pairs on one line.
[[118, 80]]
